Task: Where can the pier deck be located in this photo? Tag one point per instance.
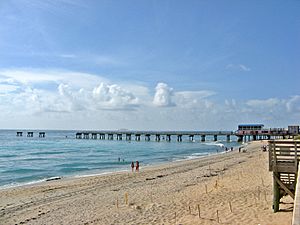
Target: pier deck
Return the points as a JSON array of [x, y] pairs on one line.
[[159, 135]]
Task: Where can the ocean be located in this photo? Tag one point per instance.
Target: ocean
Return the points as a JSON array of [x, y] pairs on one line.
[[26, 160]]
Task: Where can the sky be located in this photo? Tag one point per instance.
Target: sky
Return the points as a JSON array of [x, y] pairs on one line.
[[149, 65]]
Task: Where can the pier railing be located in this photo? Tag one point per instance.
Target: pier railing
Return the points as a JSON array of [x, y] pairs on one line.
[[284, 156]]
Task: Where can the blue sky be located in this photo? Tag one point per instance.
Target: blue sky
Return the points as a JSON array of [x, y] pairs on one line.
[[186, 65]]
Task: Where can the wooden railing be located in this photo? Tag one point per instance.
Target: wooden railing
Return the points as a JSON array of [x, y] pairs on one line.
[[284, 156]]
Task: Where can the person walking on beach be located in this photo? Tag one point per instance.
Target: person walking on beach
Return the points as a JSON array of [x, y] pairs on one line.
[[137, 166], [132, 166]]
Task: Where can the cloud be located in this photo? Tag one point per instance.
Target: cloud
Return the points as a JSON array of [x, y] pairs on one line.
[[267, 109], [293, 104], [114, 97], [74, 101], [238, 67], [194, 99], [38, 91], [82, 100], [30, 77], [83, 58], [163, 95], [265, 103], [5, 88]]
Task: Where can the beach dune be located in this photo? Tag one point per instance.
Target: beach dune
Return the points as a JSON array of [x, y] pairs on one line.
[[229, 188]]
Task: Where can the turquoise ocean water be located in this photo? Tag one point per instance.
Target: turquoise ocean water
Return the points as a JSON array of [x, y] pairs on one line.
[[26, 160]]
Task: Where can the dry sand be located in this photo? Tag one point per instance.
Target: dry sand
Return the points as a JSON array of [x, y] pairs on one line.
[[231, 188]]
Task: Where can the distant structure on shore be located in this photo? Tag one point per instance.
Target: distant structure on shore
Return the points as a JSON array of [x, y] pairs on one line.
[[258, 132]]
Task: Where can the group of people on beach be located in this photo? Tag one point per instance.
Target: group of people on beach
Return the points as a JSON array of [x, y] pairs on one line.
[[227, 149], [137, 166]]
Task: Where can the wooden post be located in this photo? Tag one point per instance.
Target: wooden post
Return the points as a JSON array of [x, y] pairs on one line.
[[276, 193], [126, 198], [230, 206], [218, 219], [265, 196], [216, 184]]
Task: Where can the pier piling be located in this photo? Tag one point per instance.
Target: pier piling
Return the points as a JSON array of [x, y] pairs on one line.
[[94, 135], [157, 137], [191, 137], [215, 137], [137, 137], [179, 138], [168, 137], [110, 137], [228, 138], [128, 137], [147, 137]]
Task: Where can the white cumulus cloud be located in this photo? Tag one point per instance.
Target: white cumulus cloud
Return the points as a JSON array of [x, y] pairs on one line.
[[163, 95], [293, 104], [114, 97]]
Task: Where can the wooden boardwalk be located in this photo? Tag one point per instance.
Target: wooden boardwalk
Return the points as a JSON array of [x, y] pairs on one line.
[[284, 157]]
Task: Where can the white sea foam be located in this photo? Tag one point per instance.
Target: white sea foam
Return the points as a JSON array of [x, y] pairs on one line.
[[13, 185], [101, 174], [215, 144]]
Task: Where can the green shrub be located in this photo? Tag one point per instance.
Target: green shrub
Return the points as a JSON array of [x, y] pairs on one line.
[[297, 137]]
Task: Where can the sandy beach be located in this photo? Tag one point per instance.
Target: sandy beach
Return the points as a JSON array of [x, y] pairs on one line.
[[229, 188]]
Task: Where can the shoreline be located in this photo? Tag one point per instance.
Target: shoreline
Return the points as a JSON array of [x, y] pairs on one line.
[[155, 195], [120, 170]]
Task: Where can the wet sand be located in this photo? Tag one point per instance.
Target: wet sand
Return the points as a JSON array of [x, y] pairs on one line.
[[230, 188]]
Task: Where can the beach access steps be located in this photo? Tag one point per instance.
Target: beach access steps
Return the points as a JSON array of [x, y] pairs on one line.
[[284, 157]]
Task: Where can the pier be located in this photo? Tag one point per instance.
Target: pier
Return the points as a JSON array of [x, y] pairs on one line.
[[155, 135], [30, 134], [244, 133]]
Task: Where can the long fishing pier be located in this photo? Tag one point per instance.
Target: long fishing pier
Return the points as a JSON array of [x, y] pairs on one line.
[[153, 135]]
